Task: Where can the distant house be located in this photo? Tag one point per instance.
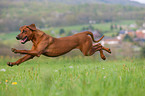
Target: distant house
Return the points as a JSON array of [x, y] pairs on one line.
[[123, 33], [131, 33], [110, 41], [140, 34], [132, 25]]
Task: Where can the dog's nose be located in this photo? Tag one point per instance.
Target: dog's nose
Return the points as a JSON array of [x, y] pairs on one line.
[[17, 38]]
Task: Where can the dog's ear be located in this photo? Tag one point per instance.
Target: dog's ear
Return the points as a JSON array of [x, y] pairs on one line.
[[21, 27], [32, 27]]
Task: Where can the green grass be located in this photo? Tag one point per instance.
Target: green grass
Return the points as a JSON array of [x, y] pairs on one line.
[[8, 38], [77, 76], [101, 26]]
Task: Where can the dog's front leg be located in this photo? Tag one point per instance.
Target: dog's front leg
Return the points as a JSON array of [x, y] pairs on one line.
[[35, 51], [25, 58], [30, 52]]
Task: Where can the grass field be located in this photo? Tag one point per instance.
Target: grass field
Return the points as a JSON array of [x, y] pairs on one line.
[[77, 76], [70, 75]]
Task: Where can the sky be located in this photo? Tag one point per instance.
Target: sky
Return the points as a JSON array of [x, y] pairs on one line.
[[141, 1]]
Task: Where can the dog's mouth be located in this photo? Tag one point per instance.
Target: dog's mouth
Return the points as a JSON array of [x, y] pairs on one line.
[[24, 40]]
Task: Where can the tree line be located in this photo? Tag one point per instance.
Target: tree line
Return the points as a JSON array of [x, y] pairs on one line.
[[45, 15]]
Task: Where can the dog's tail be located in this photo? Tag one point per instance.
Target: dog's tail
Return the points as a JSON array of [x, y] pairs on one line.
[[91, 34]]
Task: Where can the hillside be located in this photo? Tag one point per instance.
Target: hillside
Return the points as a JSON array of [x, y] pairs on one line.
[[122, 2], [54, 13]]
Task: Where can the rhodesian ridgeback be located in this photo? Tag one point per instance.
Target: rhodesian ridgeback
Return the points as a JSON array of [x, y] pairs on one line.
[[47, 45]]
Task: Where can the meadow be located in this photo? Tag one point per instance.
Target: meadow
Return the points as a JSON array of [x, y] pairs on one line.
[[73, 76]]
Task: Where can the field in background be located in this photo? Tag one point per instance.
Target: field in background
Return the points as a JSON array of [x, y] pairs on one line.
[[70, 74], [77, 76], [121, 74], [10, 38]]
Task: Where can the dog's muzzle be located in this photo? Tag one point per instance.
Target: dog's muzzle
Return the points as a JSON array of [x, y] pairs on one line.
[[17, 38], [24, 40]]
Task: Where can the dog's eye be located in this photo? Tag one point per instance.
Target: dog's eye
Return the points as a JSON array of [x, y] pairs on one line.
[[23, 31]]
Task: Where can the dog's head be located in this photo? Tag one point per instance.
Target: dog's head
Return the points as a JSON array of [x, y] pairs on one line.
[[26, 33]]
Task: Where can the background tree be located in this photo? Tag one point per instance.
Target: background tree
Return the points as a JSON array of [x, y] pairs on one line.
[[111, 27], [127, 38], [120, 28], [61, 31]]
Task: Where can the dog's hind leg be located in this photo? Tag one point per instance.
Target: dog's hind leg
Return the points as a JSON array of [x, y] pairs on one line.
[[90, 51], [85, 50], [102, 55], [103, 48], [106, 49]]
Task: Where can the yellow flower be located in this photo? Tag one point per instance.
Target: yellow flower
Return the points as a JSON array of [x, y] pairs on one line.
[[14, 83], [86, 73], [6, 81]]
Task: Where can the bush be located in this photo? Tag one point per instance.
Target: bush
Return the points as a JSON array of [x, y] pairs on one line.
[[127, 38], [61, 31]]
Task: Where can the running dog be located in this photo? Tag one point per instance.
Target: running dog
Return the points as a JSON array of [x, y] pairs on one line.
[[47, 45]]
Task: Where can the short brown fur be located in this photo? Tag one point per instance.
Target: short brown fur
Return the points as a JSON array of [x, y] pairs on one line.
[[47, 45]]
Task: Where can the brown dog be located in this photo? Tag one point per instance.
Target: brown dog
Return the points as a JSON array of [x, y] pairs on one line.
[[49, 46]]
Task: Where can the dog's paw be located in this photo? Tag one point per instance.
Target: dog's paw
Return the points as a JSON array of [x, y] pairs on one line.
[[14, 50], [109, 51], [103, 57], [9, 64]]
